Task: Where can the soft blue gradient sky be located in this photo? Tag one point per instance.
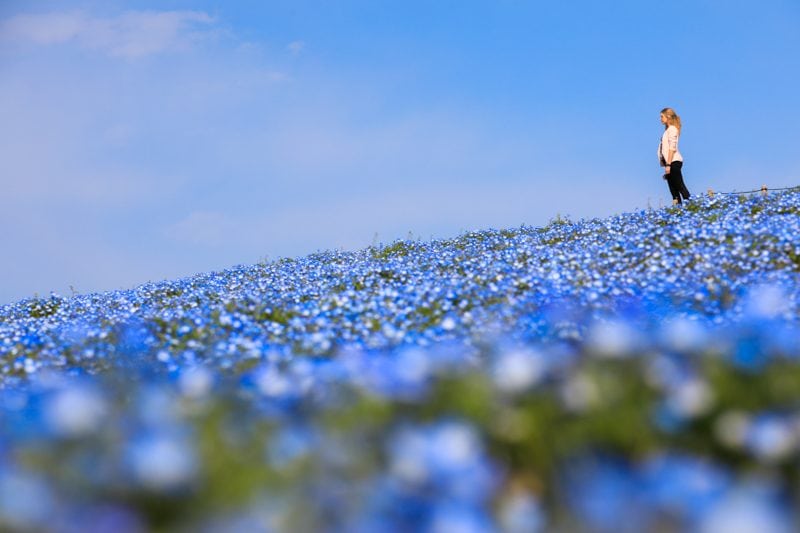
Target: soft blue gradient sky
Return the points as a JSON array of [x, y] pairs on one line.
[[149, 140]]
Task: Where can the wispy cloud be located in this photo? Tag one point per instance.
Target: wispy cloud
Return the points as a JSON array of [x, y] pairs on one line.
[[296, 47], [130, 35]]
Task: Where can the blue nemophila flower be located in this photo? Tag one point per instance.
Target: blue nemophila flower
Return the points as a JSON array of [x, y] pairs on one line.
[[684, 487], [772, 436], [162, 461], [755, 505], [450, 517], [156, 407], [684, 335], [100, 519], [689, 397], [447, 457], [272, 382], [404, 374], [518, 368], [291, 444], [26, 501], [613, 338], [196, 382], [601, 490], [75, 410]]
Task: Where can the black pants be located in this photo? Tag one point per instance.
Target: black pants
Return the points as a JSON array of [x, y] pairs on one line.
[[675, 181]]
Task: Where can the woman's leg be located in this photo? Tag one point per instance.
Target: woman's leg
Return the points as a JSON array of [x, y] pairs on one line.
[[677, 169], [674, 189]]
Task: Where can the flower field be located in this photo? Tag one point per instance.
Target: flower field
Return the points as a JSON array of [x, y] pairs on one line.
[[634, 373]]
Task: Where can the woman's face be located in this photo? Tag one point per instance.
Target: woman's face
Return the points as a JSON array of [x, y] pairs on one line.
[[663, 118]]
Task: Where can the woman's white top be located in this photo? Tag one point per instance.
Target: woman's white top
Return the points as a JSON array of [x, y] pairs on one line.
[[669, 141]]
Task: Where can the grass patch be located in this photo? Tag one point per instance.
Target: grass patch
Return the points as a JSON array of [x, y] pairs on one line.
[[44, 308], [397, 249]]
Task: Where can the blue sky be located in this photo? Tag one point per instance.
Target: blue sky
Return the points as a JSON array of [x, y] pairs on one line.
[[154, 140]]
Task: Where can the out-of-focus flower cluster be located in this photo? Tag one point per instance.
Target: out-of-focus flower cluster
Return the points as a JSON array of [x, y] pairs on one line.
[[643, 365]]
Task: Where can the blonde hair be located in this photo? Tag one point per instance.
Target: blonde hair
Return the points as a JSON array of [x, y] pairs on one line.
[[672, 118]]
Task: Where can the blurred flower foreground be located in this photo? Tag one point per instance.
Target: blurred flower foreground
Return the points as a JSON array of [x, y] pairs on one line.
[[637, 373]]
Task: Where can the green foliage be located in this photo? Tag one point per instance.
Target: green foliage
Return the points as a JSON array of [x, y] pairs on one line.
[[275, 314], [551, 241], [396, 249], [558, 221], [388, 275], [789, 210], [693, 207], [794, 257], [40, 308], [429, 315], [522, 287]]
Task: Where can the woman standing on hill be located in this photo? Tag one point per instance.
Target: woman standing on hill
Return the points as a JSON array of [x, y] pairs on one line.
[[670, 157]]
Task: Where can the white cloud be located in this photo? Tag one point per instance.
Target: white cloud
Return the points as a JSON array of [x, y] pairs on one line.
[[296, 47], [130, 35], [51, 28]]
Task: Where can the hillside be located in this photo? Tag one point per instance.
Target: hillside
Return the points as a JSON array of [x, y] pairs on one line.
[[519, 380], [698, 261]]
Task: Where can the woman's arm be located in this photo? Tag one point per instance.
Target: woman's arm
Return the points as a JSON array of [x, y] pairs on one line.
[[672, 144]]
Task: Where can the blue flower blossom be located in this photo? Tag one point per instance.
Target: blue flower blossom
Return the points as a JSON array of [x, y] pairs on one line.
[[162, 461]]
